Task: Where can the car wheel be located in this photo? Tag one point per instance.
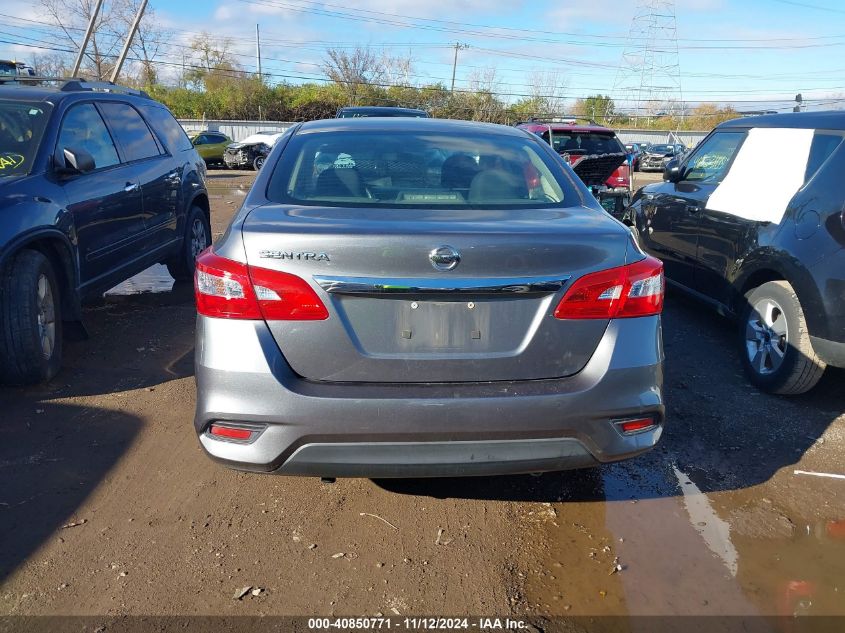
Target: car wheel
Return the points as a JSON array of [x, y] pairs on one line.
[[775, 344], [197, 239], [258, 163], [30, 320]]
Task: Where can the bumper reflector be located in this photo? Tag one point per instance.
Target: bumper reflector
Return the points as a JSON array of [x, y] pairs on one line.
[[629, 427], [230, 432]]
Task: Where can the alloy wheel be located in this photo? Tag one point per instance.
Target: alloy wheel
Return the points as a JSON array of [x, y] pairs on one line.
[[46, 316], [766, 337]]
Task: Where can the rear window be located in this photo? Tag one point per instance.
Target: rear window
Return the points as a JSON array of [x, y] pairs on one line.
[[131, 131], [583, 143], [406, 170], [167, 128]]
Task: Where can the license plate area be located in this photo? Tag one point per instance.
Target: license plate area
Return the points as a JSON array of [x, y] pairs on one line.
[[444, 325]]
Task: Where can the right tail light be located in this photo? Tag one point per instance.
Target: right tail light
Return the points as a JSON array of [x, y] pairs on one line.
[[634, 290]]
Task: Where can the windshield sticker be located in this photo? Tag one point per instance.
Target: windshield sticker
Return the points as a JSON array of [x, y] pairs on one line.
[[10, 161], [741, 193]]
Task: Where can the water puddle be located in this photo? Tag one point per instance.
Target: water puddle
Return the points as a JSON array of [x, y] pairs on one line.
[[648, 541], [154, 279]]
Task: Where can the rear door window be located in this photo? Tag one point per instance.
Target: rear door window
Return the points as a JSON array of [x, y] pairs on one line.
[[167, 128], [712, 158], [83, 128], [823, 145], [131, 131]]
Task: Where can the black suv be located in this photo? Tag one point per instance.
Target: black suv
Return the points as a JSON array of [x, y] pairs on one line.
[[97, 182], [760, 239]]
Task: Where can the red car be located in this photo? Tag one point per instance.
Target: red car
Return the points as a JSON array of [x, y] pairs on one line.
[[595, 154]]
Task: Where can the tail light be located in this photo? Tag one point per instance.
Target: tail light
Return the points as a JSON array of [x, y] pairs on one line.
[[628, 291], [621, 176], [231, 290]]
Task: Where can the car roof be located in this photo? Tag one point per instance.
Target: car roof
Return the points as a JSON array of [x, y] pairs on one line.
[[827, 119], [380, 109], [406, 124], [26, 92], [565, 127]]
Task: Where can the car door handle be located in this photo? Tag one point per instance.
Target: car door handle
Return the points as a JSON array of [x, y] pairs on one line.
[[131, 186]]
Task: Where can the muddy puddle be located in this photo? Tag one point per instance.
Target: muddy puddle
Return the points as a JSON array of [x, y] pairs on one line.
[[647, 541]]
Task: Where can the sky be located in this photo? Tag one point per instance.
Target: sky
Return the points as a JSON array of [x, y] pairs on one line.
[[753, 54]]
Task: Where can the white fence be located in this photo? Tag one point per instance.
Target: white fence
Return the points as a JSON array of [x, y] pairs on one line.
[[238, 130], [235, 130]]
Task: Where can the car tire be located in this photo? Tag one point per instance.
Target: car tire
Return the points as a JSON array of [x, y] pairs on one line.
[[197, 238], [775, 346], [258, 163], [30, 320]]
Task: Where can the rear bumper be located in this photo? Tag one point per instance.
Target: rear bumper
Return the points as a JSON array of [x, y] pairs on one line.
[[418, 430]]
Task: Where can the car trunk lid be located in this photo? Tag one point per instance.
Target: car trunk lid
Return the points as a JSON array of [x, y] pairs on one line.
[[397, 315]]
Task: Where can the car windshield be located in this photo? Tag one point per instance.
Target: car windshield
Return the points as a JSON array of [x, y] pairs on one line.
[[405, 170], [21, 128], [661, 149], [583, 142]]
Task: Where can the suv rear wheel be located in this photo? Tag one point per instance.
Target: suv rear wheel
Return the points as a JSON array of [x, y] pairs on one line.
[[197, 238], [776, 350], [30, 320]]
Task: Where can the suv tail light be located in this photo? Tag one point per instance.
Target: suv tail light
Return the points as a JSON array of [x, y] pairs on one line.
[[231, 290], [628, 291]]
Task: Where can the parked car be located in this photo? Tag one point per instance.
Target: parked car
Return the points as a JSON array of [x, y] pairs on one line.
[[210, 145], [595, 154], [355, 112], [656, 156], [635, 153], [250, 152], [97, 182], [769, 252], [11, 69], [443, 298]]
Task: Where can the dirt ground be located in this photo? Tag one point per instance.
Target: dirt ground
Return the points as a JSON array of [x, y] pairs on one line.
[[109, 506]]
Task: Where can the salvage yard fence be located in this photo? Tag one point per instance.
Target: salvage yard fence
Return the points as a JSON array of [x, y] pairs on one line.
[[239, 130]]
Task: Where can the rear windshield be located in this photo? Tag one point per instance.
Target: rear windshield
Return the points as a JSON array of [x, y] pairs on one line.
[[21, 127], [356, 114], [407, 170], [581, 143]]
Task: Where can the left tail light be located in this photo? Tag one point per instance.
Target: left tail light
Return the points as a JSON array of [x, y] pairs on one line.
[[228, 289], [634, 290]]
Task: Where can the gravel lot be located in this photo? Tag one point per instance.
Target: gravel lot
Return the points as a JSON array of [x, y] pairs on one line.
[[109, 506]]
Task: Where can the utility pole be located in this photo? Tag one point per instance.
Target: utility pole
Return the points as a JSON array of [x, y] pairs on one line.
[[85, 39], [258, 51], [458, 46], [133, 29]]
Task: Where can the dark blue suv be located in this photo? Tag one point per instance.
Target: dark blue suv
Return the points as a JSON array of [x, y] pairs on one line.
[[97, 182]]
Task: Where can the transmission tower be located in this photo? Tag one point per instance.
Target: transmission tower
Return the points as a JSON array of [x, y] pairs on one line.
[[648, 81]]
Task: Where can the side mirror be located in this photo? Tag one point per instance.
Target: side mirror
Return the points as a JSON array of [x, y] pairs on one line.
[[672, 171], [71, 161]]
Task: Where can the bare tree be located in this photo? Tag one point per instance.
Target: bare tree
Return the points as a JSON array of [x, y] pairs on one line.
[[548, 91], [150, 41], [212, 61], [352, 71], [397, 70], [71, 18], [49, 64]]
